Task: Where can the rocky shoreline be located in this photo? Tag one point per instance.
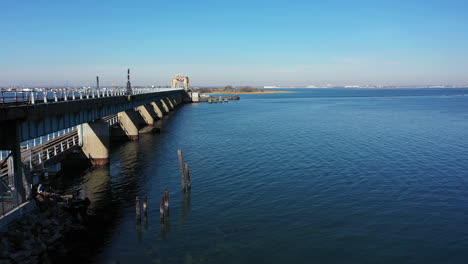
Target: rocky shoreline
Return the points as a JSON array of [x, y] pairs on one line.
[[44, 235]]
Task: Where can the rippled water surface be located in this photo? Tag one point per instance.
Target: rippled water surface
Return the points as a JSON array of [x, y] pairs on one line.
[[317, 176]]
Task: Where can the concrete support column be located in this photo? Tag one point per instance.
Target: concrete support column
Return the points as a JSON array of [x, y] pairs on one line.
[[95, 141], [22, 177], [169, 103], [158, 109], [164, 105], [18, 170], [148, 114], [195, 97], [174, 101], [129, 122]]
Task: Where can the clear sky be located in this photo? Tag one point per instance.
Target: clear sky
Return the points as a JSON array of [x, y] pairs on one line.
[[237, 42]]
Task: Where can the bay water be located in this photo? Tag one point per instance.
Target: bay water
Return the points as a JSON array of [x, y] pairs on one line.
[[314, 176]]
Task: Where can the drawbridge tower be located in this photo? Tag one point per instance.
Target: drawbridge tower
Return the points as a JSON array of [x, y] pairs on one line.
[[179, 81]]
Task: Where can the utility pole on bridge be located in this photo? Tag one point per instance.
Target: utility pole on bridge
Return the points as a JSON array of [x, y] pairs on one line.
[[129, 86]]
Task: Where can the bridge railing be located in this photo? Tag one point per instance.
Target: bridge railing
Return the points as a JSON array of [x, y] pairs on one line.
[[52, 148], [34, 155], [111, 119], [55, 95], [38, 141], [7, 192]]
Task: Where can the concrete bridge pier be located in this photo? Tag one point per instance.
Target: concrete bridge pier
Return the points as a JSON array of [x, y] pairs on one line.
[[169, 104], [158, 109], [94, 137], [18, 170], [148, 114], [174, 101], [164, 105], [195, 97], [129, 121]]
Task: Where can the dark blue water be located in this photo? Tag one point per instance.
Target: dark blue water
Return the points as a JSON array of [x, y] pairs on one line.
[[316, 176]]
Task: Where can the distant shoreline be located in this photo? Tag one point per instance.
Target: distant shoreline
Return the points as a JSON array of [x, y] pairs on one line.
[[463, 87], [256, 92]]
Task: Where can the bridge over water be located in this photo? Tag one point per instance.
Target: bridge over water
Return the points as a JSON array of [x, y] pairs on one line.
[[86, 115]]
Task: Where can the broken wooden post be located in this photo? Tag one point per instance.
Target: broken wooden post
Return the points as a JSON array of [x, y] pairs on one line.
[[181, 166], [137, 206], [161, 209], [145, 205], [187, 174], [166, 201]]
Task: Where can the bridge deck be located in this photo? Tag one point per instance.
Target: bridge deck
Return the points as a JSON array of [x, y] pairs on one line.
[[35, 120]]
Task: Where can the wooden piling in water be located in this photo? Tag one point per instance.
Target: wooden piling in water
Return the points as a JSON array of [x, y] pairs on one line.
[[145, 204], [137, 206], [161, 209], [187, 174], [181, 166], [166, 201]]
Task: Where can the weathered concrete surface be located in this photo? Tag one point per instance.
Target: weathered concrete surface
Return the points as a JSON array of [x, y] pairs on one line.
[[95, 137], [148, 114], [169, 104], [164, 105], [195, 97], [18, 169], [129, 121], [158, 109], [117, 134], [173, 101]]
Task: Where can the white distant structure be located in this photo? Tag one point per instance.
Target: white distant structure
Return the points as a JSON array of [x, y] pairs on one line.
[[180, 81], [271, 86]]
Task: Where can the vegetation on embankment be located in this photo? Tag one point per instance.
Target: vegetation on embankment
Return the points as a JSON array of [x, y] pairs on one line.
[[240, 90]]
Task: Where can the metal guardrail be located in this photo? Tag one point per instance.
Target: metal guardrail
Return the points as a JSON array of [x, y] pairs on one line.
[[60, 95], [52, 148], [38, 141], [35, 156], [7, 192], [4, 154], [111, 119]]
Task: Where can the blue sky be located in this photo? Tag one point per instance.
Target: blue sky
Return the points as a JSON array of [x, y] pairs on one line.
[[240, 42]]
